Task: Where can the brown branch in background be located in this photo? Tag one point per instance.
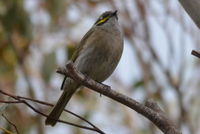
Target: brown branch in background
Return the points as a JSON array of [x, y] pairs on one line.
[[2, 101], [12, 124], [150, 110], [195, 53], [21, 99]]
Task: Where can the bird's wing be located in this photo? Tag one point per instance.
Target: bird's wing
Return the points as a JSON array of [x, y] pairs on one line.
[[78, 49], [82, 44]]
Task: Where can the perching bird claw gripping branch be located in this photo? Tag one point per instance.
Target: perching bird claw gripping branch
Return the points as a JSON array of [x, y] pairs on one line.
[[150, 110]]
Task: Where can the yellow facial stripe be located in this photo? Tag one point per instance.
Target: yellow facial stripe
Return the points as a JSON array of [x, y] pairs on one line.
[[102, 20]]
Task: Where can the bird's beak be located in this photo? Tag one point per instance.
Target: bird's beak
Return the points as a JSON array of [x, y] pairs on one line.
[[114, 14]]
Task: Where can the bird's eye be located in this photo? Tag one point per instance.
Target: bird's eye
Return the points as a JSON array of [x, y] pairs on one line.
[[101, 18]]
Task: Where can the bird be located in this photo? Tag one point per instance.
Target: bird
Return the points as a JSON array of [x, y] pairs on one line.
[[96, 56]]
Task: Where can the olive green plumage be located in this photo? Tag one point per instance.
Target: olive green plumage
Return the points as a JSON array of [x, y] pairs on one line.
[[97, 56]]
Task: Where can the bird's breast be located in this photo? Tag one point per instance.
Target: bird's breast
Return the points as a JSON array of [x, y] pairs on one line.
[[101, 56]]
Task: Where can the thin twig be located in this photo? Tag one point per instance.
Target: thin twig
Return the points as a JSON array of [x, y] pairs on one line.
[[195, 53], [11, 123], [23, 100], [2, 101], [48, 104]]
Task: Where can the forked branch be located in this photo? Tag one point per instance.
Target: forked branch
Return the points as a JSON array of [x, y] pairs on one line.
[[24, 100]]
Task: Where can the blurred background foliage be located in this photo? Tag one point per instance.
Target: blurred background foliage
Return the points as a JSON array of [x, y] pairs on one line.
[[36, 36]]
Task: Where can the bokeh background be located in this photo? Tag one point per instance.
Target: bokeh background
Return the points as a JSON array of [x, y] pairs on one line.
[[37, 36]]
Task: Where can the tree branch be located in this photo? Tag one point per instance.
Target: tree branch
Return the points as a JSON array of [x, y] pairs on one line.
[[150, 110], [195, 53], [20, 99], [11, 123]]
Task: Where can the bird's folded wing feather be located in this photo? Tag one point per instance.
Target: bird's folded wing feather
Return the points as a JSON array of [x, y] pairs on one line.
[[82, 44]]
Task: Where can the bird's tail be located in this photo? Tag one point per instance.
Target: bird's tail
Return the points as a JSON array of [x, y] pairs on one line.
[[59, 107]]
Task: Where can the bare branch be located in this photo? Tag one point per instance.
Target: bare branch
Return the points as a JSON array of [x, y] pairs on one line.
[[158, 118], [23, 100], [48, 104], [11, 123], [168, 126], [2, 101], [195, 53]]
